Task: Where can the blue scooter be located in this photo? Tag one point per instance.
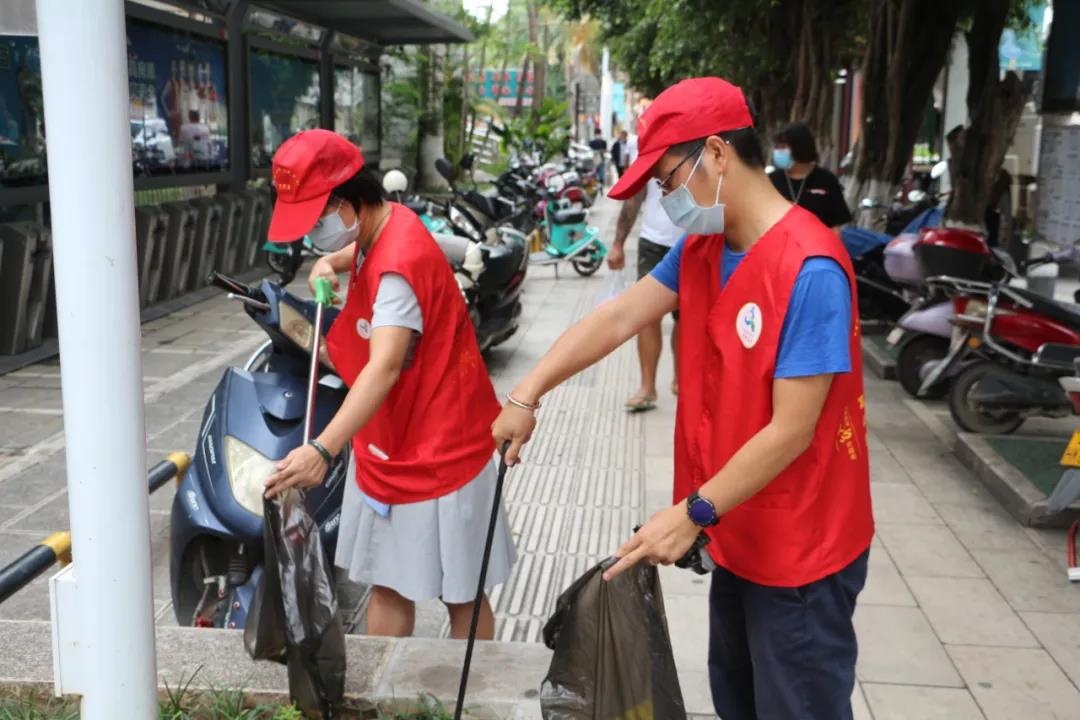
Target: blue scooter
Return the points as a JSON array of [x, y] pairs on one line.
[[254, 418], [564, 236]]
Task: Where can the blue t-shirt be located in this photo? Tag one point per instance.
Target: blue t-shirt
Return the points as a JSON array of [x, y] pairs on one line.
[[817, 328]]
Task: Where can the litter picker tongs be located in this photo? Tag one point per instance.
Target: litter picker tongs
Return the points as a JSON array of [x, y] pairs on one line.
[[324, 298]]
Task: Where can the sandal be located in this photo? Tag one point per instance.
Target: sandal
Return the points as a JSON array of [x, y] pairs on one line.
[[640, 403]]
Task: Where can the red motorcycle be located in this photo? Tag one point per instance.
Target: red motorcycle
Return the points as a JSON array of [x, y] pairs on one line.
[[1016, 345]]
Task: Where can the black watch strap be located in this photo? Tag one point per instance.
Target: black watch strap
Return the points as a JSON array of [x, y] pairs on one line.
[[322, 451]]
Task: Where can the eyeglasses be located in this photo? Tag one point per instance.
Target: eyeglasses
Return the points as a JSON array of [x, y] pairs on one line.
[[692, 153]]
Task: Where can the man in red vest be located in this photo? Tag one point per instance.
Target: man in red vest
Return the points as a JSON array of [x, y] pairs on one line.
[[770, 436]]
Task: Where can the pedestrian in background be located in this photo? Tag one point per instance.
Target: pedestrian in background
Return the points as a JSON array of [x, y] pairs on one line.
[[620, 153], [599, 148], [657, 236], [798, 177]]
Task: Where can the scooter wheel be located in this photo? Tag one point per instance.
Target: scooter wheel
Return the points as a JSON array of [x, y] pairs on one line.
[[972, 418], [588, 265], [915, 353]]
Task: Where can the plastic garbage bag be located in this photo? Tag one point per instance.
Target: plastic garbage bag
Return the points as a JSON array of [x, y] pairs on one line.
[[612, 651], [294, 617], [614, 284]]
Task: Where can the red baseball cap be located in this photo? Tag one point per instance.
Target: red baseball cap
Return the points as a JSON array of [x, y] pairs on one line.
[[307, 167], [688, 110]]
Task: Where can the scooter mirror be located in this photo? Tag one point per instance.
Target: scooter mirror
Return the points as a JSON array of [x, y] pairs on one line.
[[443, 167], [939, 170], [467, 161]]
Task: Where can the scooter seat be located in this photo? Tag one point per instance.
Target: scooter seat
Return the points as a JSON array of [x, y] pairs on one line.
[[1054, 310], [417, 205], [570, 216]]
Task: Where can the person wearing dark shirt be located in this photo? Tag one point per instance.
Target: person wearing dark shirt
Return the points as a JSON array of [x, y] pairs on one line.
[[798, 177], [620, 155], [599, 148]]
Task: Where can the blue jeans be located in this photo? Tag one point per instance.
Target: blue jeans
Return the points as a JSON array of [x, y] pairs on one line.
[[784, 653]]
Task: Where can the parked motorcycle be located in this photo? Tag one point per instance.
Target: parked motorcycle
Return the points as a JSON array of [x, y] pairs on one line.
[[396, 185], [253, 419], [923, 335], [1023, 343], [563, 236]]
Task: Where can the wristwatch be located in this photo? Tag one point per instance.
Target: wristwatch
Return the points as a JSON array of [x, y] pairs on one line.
[[701, 511]]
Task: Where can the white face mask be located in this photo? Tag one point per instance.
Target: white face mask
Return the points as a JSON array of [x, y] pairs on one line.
[[684, 211], [330, 234]]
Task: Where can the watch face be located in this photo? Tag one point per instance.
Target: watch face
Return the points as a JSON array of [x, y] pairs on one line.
[[701, 512]]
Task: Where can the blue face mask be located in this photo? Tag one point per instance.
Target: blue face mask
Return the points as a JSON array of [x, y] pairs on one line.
[[781, 158], [684, 211]]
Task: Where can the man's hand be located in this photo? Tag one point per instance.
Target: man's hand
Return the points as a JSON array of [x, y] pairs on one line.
[[304, 467], [667, 536], [324, 268], [515, 426], [616, 259]]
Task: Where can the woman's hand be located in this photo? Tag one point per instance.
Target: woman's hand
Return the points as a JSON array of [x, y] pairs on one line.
[[515, 426], [324, 268], [667, 536], [304, 467]]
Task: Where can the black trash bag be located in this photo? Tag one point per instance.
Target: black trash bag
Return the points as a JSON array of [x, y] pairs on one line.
[[294, 617], [613, 658]]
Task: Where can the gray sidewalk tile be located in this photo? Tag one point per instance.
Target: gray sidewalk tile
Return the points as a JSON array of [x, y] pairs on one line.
[[897, 645], [898, 503], [1016, 683], [969, 611], [983, 527], [884, 585], [914, 702], [1029, 580], [1060, 635], [929, 550]]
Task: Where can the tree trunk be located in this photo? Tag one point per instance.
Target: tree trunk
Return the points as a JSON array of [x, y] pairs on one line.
[[500, 83], [522, 74], [431, 126], [533, 59], [479, 72], [909, 41], [994, 107]]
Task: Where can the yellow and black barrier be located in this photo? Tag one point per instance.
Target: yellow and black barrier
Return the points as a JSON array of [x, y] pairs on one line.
[[57, 547]]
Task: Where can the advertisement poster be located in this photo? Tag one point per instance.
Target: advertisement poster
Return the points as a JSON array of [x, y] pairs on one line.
[[22, 120], [284, 101], [503, 89], [1023, 50], [178, 106]]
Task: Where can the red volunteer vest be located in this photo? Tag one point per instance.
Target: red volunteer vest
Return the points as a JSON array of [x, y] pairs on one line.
[[815, 517], [432, 434]]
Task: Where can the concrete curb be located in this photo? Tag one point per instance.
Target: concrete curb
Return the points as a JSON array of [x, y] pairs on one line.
[[877, 361], [391, 673], [1014, 491]]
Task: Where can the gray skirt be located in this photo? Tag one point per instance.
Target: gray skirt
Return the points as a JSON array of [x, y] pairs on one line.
[[426, 550]]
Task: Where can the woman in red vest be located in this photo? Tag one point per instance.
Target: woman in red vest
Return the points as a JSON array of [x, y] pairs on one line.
[[770, 437], [419, 402]]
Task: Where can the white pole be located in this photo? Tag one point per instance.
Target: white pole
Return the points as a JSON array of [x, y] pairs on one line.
[[605, 94], [85, 88]]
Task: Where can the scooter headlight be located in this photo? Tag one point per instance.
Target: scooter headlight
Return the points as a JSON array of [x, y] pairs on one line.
[[298, 328], [248, 470], [462, 223]]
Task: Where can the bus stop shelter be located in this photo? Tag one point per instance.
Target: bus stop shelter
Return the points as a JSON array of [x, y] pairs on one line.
[[214, 87], [98, 100]]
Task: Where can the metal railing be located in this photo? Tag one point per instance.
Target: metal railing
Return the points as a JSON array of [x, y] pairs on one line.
[[57, 547]]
